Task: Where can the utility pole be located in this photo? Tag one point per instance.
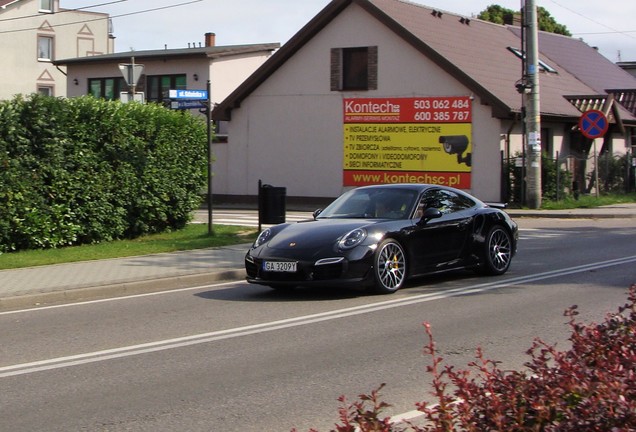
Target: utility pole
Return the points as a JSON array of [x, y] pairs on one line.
[[533, 110]]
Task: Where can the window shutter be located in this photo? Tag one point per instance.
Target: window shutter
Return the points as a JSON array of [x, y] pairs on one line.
[[336, 69], [372, 59]]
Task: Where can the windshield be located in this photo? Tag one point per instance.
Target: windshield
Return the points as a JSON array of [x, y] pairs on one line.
[[366, 203]]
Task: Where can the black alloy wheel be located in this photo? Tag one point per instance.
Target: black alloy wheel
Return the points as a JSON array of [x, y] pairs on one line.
[[389, 267], [498, 253]]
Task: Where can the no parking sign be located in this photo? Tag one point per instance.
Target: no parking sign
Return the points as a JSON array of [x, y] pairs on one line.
[[593, 124]]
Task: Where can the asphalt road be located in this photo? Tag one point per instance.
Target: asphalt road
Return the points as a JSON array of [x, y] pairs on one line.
[[235, 357]]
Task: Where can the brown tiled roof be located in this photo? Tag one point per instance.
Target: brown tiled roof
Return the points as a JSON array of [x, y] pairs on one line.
[[584, 62], [627, 98], [477, 54], [474, 52]]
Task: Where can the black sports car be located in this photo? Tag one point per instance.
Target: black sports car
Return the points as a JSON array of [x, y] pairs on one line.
[[379, 236]]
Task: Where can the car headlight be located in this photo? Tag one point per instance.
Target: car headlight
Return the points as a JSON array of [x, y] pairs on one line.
[[263, 237], [352, 239]]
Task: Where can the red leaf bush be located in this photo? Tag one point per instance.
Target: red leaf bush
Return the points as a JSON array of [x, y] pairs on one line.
[[590, 387]]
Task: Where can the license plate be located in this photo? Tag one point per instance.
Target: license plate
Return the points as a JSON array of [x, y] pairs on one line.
[[280, 266]]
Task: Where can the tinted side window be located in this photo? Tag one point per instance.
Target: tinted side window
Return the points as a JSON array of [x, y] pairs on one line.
[[446, 201]]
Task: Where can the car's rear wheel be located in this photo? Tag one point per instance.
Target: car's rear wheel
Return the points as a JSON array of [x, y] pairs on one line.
[[498, 252], [389, 267]]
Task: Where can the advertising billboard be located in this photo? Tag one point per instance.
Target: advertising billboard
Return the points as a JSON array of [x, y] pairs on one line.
[[408, 140]]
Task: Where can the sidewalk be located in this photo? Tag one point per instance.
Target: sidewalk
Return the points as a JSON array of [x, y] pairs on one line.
[[610, 211], [30, 287]]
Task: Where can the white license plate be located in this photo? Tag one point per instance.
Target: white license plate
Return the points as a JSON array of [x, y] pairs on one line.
[[280, 266]]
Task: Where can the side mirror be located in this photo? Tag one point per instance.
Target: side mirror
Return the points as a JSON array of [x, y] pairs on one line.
[[430, 213], [316, 213]]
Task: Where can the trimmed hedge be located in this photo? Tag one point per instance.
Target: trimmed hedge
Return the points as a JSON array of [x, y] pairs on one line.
[[86, 170]]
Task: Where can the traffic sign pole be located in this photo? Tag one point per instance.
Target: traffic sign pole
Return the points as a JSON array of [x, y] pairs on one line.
[[131, 81], [209, 121], [593, 124], [131, 73]]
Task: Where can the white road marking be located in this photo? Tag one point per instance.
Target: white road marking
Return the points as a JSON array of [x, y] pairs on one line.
[[132, 350], [112, 299]]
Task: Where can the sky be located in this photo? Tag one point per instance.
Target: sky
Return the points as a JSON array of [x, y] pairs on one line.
[[139, 25]]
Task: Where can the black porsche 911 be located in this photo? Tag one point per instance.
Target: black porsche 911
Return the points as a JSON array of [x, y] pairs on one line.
[[379, 236]]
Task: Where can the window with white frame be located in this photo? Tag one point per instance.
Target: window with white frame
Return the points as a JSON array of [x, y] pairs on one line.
[[543, 66], [45, 48], [45, 90], [46, 5]]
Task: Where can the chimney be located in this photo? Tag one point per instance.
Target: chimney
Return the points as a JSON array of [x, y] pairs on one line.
[[513, 19], [210, 40]]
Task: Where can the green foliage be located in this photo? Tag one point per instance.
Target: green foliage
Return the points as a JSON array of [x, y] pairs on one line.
[[495, 14], [557, 187], [612, 173], [548, 24], [499, 15], [588, 201], [84, 170], [192, 236], [555, 181]]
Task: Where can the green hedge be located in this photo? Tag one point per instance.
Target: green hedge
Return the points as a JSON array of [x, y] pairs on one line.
[[85, 170]]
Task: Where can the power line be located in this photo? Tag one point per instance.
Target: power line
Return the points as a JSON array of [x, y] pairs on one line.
[[602, 33], [63, 11], [108, 17], [158, 8], [613, 30]]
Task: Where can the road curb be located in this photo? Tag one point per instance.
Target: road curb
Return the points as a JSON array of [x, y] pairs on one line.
[[118, 290]]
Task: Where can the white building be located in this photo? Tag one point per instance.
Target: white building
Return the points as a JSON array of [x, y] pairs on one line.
[[168, 69], [33, 33], [293, 123]]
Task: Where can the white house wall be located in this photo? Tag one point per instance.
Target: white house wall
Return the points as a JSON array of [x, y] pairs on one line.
[[227, 73], [82, 72], [76, 34], [289, 131]]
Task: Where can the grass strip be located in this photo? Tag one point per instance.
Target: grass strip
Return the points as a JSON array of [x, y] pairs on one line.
[[193, 236]]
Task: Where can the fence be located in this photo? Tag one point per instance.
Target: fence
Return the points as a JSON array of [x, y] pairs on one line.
[[571, 176]]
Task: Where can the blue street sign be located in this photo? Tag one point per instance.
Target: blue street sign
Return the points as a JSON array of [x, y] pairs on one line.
[[187, 104], [188, 94]]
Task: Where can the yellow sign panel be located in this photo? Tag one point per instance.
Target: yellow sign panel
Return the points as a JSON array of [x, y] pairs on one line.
[[412, 147]]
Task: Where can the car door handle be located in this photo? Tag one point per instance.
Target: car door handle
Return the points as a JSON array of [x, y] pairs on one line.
[[464, 224]]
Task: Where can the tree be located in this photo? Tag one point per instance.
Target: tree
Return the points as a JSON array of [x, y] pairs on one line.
[[500, 15]]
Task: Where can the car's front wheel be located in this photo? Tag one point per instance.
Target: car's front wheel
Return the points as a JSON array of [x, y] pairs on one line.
[[498, 252], [389, 266]]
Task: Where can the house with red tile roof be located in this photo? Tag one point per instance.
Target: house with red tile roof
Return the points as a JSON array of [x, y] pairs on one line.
[[387, 91]]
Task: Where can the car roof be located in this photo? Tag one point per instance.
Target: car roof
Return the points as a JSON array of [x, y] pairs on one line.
[[419, 187]]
